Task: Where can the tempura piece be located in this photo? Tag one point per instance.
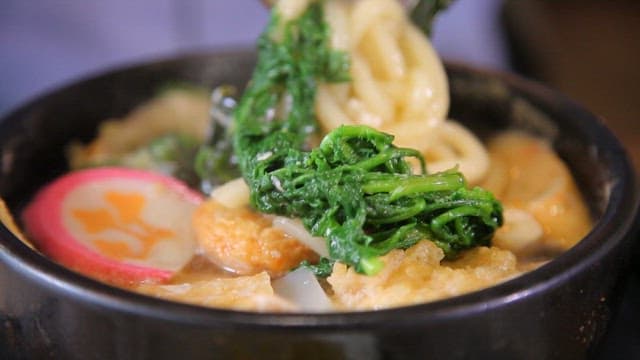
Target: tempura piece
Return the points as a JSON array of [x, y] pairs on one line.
[[240, 293], [245, 242], [175, 111], [9, 222], [416, 276]]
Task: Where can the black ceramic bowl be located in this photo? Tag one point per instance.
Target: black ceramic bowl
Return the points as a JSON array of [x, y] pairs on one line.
[[558, 311]]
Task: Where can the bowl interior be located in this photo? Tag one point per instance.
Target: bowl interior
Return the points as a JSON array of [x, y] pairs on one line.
[[33, 138]]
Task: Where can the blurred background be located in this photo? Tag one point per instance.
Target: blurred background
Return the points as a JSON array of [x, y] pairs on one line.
[[48, 43], [588, 49]]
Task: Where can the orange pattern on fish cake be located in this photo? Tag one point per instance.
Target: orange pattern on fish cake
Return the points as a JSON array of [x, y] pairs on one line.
[[124, 214]]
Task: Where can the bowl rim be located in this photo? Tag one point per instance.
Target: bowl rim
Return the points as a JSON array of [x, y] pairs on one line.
[[615, 223]]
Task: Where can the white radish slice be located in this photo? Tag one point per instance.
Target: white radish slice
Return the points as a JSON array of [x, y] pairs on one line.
[[301, 287], [295, 229], [122, 226]]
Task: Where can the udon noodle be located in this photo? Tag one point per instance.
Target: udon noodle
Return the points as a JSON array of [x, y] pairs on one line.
[[398, 86]]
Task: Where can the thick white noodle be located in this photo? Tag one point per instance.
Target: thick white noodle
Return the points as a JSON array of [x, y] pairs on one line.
[[398, 85], [455, 145], [291, 9], [396, 74]]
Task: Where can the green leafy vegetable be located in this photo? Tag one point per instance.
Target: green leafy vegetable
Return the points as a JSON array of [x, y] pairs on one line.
[[201, 165], [356, 189], [425, 11], [174, 153]]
